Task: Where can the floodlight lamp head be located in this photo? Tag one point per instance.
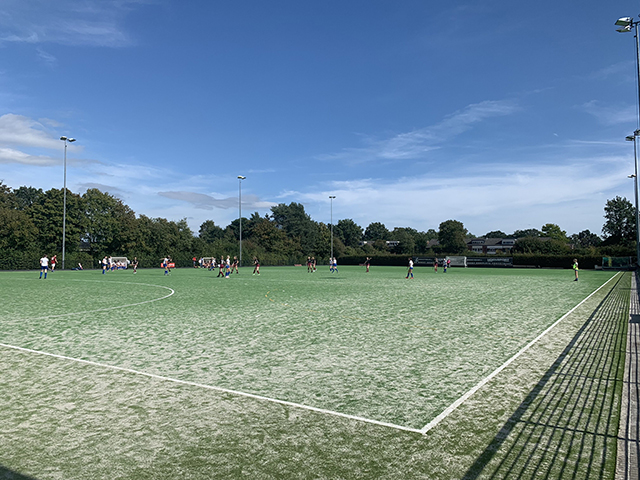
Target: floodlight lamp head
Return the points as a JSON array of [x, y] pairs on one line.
[[332, 196], [626, 29], [241, 177], [63, 138], [72, 140], [629, 138], [631, 176], [624, 22]]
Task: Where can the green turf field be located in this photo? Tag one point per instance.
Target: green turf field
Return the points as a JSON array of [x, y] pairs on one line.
[[376, 355]]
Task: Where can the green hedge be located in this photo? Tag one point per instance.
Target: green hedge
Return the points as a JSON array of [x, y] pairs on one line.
[[519, 260], [19, 260], [556, 261], [391, 260]]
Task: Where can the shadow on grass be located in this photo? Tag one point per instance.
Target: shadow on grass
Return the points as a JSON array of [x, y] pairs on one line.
[[6, 474], [567, 426]]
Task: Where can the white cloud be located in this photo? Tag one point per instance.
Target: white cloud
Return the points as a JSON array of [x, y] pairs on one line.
[[207, 202], [507, 197], [416, 143], [611, 114], [9, 155], [47, 57], [66, 22], [26, 132], [617, 70]]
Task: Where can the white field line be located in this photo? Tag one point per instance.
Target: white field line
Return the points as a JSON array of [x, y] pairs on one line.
[[217, 389], [484, 381], [117, 306]]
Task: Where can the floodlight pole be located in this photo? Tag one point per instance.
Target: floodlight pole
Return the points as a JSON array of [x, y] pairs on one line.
[[634, 138], [626, 24], [64, 197], [240, 178], [331, 197]]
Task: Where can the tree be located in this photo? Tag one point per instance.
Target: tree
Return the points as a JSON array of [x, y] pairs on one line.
[[271, 238], [407, 244], [451, 237], [585, 239], [349, 232], [422, 241], [7, 198], [297, 224], [234, 226], [620, 225], [47, 216], [528, 245], [553, 231], [495, 234], [17, 231], [545, 246], [376, 231], [28, 196], [209, 231], [111, 225], [530, 232]]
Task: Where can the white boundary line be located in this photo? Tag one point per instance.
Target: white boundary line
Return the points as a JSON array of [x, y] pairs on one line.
[[217, 389], [484, 381], [118, 306]]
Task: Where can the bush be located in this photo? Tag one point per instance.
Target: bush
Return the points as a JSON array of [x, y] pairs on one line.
[[389, 260], [71, 260], [556, 261], [19, 260]]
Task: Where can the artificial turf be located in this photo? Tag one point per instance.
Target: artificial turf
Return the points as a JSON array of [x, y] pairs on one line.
[[374, 345]]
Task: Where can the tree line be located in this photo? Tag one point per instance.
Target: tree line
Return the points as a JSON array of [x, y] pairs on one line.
[[100, 224]]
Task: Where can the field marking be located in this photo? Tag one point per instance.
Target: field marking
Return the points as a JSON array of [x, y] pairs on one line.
[[217, 389], [117, 306], [451, 408]]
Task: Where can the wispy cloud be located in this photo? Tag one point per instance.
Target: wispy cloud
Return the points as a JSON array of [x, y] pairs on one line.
[[66, 22], [9, 155], [497, 196], [46, 57], [100, 186], [617, 70], [611, 114], [207, 202], [24, 131], [417, 143], [23, 139]]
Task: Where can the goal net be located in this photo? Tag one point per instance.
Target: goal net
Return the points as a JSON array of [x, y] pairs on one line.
[[617, 263], [121, 263], [458, 261]]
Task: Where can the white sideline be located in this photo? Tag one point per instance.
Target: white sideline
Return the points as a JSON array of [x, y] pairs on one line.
[[217, 389], [484, 381]]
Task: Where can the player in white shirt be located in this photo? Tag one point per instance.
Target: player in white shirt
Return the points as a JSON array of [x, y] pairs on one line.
[[44, 266], [410, 271]]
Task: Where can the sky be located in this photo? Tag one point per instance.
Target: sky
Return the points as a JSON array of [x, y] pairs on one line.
[[502, 115]]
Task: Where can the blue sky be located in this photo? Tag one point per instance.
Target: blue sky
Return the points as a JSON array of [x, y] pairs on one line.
[[500, 114]]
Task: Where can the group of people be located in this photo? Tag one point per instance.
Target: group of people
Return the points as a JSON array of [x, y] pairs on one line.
[[226, 266], [45, 263], [311, 264], [109, 265], [333, 265], [446, 263]]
